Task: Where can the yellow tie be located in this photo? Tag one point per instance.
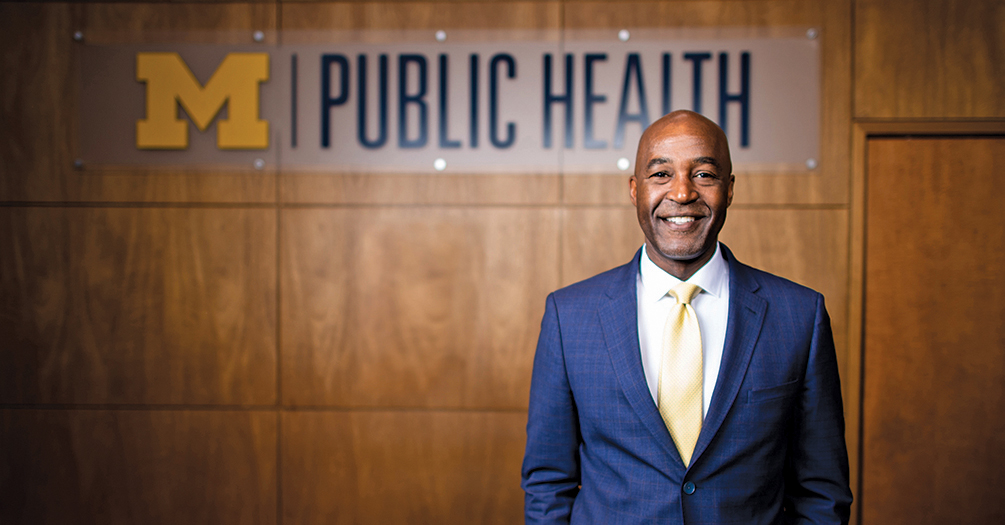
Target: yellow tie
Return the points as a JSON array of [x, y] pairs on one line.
[[679, 391]]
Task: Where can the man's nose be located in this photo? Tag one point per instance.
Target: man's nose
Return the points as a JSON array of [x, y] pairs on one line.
[[682, 189]]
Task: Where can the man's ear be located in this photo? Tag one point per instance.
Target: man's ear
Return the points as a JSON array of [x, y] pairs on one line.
[[729, 195], [631, 192]]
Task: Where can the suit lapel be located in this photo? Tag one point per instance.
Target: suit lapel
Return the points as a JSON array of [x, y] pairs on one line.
[[619, 319], [743, 327]]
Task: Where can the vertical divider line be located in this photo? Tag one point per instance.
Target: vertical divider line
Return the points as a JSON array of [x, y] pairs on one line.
[[855, 342], [562, 205], [857, 221], [862, 222], [561, 150], [279, 466], [293, 100], [278, 202], [279, 362], [278, 283]]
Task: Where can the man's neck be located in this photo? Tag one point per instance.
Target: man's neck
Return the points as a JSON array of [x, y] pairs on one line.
[[682, 270]]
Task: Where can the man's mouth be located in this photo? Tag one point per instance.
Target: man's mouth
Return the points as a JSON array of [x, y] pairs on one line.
[[679, 220]]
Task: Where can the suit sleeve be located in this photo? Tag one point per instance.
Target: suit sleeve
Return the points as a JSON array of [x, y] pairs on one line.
[[817, 488], [550, 474]]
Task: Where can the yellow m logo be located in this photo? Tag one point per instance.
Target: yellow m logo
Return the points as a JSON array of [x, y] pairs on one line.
[[170, 82]]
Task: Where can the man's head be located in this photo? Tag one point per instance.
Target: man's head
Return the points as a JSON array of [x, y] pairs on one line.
[[682, 185]]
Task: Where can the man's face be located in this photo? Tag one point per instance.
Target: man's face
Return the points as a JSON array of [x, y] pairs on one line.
[[682, 185]]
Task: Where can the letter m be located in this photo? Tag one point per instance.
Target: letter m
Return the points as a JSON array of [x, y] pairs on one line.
[[170, 82]]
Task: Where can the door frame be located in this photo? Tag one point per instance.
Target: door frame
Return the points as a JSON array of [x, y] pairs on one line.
[[862, 131]]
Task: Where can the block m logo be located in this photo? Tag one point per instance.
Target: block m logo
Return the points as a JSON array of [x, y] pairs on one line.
[[235, 83]]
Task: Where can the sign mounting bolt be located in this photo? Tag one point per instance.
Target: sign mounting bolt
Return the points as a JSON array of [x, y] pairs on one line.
[[624, 35], [441, 35]]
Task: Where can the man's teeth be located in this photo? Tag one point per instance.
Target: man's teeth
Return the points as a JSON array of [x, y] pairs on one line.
[[680, 220]]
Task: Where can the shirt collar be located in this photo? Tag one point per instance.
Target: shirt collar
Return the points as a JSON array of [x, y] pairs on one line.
[[713, 277]]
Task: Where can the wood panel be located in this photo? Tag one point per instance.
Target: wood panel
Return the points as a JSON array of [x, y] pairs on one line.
[[500, 15], [419, 307], [207, 22], [929, 59], [933, 430], [596, 239], [313, 20], [39, 105], [828, 184], [126, 305], [402, 467], [370, 188], [119, 467]]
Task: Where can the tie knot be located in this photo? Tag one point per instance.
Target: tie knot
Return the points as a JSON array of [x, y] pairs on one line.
[[685, 292]]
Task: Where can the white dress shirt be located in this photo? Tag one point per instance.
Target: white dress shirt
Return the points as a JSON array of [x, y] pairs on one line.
[[711, 305]]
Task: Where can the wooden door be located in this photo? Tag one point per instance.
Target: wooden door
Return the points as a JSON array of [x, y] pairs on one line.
[[933, 397]]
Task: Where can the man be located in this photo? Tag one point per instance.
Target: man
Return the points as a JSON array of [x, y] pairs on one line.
[[650, 405]]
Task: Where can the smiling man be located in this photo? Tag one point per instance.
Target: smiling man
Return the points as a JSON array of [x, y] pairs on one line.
[[685, 387]]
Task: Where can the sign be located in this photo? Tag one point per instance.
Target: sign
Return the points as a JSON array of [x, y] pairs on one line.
[[473, 103], [170, 84]]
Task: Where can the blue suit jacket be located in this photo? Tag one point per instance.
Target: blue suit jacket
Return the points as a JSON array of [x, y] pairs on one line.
[[771, 449]]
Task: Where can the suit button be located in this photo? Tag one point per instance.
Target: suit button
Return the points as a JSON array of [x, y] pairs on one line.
[[689, 488]]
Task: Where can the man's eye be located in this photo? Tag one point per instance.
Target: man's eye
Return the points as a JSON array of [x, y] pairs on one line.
[[660, 174], [704, 174]]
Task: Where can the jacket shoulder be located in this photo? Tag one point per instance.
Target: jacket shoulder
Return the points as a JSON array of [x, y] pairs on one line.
[[773, 286]]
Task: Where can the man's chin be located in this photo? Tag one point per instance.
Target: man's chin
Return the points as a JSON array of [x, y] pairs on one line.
[[682, 254]]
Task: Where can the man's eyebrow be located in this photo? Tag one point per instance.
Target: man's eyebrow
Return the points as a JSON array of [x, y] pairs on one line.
[[707, 160], [655, 161], [700, 160]]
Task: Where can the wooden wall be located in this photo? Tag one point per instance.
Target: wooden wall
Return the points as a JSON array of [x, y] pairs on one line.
[[356, 348], [934, 456], [932, 69]]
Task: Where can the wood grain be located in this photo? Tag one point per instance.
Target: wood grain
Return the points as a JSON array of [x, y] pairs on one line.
[[418, 307], [933, 429], [370, 188], [125, 305], [852, 382], [205, 22], [829, 182], [930, 59], [39, 104], [136, 466], [595, 239], [496, 15], [402, 467]]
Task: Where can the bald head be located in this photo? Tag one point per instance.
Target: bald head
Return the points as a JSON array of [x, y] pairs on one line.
[[677, 123], [682, 185]]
